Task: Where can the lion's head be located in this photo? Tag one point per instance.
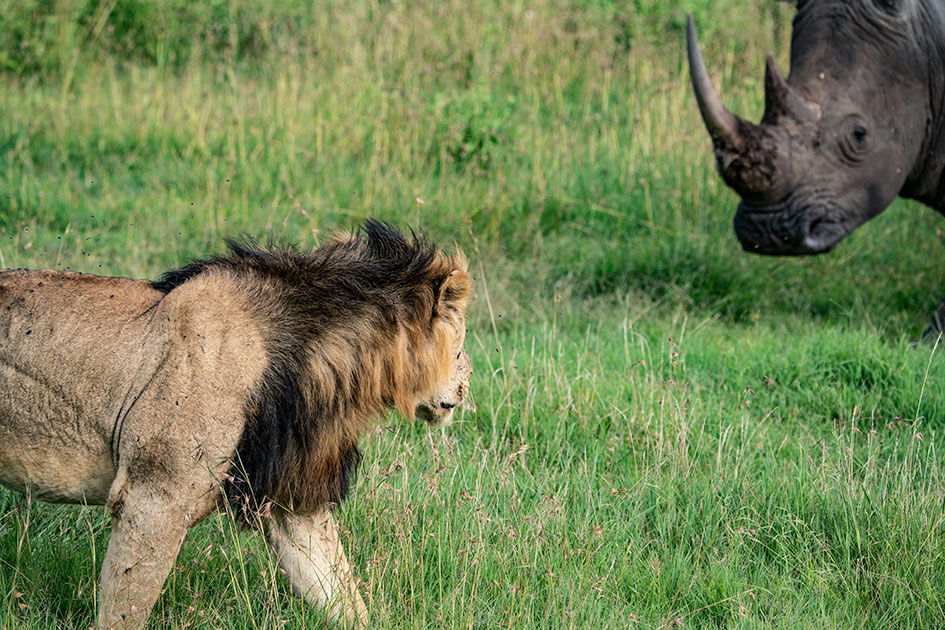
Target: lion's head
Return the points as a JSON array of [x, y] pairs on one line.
[[451, 367]]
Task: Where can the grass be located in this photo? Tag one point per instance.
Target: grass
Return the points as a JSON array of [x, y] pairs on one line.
[[670, 432]]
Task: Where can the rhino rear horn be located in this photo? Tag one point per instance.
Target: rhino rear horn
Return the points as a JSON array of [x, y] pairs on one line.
[[724, 126], [781, 99]]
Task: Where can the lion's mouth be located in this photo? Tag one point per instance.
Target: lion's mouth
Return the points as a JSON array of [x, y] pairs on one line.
[[436, 412]]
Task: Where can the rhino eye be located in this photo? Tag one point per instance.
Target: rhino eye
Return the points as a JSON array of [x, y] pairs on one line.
[[859, 134], [855, 141]]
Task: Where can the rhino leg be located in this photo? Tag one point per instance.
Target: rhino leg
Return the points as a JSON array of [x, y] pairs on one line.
[[937, 326], [310, 553]]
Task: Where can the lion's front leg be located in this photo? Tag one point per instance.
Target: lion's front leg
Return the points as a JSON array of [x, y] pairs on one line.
[[310, 552], [146, 536]]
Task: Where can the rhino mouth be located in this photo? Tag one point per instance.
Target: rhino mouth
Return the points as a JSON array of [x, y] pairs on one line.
[[791, 229]]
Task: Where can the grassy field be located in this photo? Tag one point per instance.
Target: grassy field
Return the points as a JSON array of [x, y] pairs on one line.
[[670, 432]]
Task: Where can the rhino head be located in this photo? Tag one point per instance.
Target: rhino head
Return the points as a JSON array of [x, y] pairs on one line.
[[840, 138]]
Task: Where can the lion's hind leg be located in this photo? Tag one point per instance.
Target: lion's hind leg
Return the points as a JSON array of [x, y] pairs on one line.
[[310, 552]]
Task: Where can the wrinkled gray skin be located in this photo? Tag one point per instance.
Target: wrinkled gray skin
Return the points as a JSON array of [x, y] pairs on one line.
[[859, 120]]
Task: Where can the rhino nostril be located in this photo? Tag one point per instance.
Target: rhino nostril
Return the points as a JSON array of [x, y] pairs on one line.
[[447, 405]]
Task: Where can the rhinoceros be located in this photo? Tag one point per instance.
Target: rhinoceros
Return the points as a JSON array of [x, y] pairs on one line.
[[859, 120]]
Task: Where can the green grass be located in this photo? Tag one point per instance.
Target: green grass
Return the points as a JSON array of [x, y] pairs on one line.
[[669, 431]]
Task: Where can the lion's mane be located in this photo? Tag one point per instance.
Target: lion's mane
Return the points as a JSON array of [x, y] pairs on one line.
[[349, 328]]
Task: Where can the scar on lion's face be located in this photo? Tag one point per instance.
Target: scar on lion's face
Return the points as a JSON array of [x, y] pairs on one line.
[[439, 408]]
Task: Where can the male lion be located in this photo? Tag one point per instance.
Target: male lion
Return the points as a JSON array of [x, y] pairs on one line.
[[244, 379]]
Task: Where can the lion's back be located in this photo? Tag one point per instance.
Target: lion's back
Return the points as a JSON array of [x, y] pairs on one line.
[[71, 322], [68, 346]]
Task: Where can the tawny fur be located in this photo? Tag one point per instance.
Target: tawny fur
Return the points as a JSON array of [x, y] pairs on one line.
[[245, 377]]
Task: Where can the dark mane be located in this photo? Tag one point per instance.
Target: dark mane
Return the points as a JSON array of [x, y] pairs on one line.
[[328, 317], [385, 257]]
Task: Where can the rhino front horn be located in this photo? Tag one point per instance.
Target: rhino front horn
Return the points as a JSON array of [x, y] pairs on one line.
[[724, 126]]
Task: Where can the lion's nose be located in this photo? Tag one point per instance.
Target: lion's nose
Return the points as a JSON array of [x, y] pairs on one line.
[[446, 405]]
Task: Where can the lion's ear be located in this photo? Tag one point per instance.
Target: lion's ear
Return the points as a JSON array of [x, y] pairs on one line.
[[452, 292]]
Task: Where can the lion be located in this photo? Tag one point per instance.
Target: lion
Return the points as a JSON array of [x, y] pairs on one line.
[[238, 382]]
